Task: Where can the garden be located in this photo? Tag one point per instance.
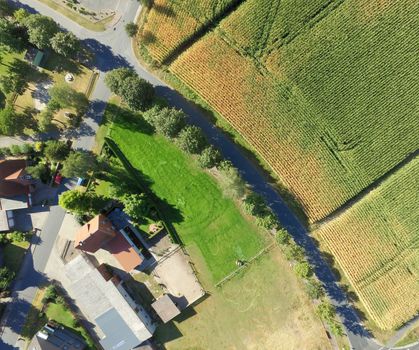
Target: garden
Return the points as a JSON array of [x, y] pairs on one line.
[[50, 305]]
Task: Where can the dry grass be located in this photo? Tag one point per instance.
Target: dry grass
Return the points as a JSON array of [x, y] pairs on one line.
[[262, 308]]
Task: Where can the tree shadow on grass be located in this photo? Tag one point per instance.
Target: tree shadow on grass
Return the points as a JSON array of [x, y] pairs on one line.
[[126, 119]]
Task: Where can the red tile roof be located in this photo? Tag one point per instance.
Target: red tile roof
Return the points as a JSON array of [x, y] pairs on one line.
[[124, 253], [11, 181]]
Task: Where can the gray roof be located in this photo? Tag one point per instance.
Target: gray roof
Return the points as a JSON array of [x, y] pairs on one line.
[[4, 221], [96, 297], [118, 335], [13, 203], [56, 339], [165, 308]]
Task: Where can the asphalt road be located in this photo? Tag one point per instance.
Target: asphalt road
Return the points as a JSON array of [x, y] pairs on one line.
[[112, 49]]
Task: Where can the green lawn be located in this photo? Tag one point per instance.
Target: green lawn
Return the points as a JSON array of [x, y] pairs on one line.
[[194, 204], [14, 252], [7, 58]]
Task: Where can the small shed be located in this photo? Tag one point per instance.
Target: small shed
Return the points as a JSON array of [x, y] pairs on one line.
[[34, 56], [165, 308]]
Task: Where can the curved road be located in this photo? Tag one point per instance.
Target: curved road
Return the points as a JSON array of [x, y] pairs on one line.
[[113, 49]]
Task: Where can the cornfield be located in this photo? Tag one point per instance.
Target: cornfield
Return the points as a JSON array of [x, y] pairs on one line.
[[376, 243]]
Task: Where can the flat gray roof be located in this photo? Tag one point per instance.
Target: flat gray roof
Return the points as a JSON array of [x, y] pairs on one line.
[[165, 308], [118, 335]]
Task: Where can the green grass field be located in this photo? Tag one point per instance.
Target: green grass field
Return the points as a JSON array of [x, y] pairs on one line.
[[194, 204], [14, 253]]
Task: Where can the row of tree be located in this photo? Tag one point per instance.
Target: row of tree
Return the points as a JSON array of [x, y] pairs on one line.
[[39, 30]]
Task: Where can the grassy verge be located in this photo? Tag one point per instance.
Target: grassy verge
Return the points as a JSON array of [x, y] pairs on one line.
[[99, 26], [264, 307], [191, 199], [410, 337]]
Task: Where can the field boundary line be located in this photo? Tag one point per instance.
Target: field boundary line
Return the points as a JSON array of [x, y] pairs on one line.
[[246, 264], [365, 192]]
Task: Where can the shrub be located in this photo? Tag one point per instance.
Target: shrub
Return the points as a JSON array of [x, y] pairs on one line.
[[294, 252], [314, 289], [17, 236], [15, 150], [50, 294], [283, 237], [39, 171], [4, 239], [60, 300], [254, 204], [191, 139], [136, 206], [303, 269], [326, 311], [45, 119], [209, 157], [56, 151], [26, 148], [131, 29], [230, 181], [169, 122], [268, 221]]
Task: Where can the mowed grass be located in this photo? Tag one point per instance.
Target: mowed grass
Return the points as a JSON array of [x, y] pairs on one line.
[[13, 255], [264, 307], [195, 205], [376, 244]]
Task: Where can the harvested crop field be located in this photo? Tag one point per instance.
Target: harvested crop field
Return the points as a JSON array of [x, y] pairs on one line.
[[376, 243]]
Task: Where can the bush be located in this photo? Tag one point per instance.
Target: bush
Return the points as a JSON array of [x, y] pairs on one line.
[[268, 221], [169, 122], [4, 239], [15, 150], [191, 140], [314, 289], [136, 206], [209, 157], [230, 181], [45, 119], [26, 148], [283, 237], [39, 171], [326, 311], [254, 204], [294, 252], [6, 277], [50, 294], [17, 236], [303, 269], [131, 29], [60, 300]]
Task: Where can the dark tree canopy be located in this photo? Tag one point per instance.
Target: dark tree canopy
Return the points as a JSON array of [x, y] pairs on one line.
[[131, 29], [137, 93], [65, 44], [56, 150], [209, 157], [13, 83], [169, 122], [41, 29], [64, 96], [80, 164], [191, 139], [8, 36], [10, 122]]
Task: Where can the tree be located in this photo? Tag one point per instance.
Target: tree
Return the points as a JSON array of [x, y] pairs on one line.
[[12, 82], [209, 157], [82, 203], [65, 43], [39, 171], [314, 289], [326, 311], [131, 29], [267, 221], [136, 206], [5, 8], [169, 122], [6, 277], [80, 164], [283, 237], [230, 181], [20, 15], [66, 97], [303, 269], [137, 93], [10, 122], [41, 29], [50, 294], [45, 120], [56, 151], [115, 79], [254, 204], [191, 139], [294, 252], [8, 38]]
